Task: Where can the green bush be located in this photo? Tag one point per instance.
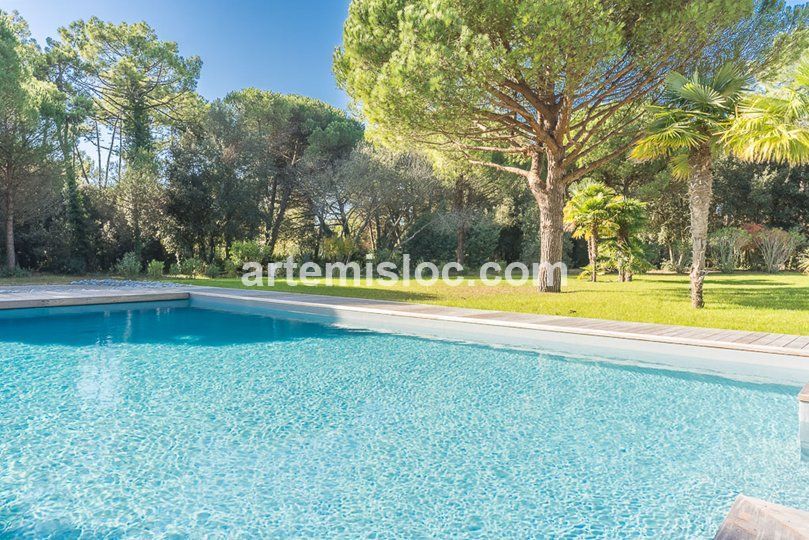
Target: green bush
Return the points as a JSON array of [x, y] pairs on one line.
[[129, 265], [481, 242], [247, 251], [191, 267], [726, 245], [213, 270], [339, 249], [230, 269], [15, 272], [432, 242], [155, 269]]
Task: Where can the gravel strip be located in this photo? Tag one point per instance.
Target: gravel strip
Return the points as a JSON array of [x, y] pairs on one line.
[[126, 284]]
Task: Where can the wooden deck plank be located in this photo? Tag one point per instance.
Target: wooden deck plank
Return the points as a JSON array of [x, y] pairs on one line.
[[769, 339], [783, 341], [799, 343]]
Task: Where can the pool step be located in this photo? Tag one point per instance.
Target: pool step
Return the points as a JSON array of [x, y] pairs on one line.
[[754, 519]]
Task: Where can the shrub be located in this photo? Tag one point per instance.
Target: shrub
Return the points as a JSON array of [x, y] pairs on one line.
[[213, 270], [803, 262], [247, 251], [128, 265], [481, 242], [727, 245], [15, 272], [174, 269], [191, 267], [776, 246], [155, 269], [339, 249], [679, 259], [230, 269]]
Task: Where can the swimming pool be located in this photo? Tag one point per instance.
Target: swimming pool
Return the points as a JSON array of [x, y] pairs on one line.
[[160, 419]]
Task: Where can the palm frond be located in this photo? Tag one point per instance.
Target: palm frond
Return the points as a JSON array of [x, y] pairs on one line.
[[680, 165], [729, 81], [702, 95], [802, 74], [771, 127], [675, 81]]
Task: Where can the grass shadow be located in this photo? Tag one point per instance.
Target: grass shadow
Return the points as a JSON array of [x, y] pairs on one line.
[[369, 293]]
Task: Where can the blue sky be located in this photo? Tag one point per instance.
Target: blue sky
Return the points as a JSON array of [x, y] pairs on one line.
[[280, 45]]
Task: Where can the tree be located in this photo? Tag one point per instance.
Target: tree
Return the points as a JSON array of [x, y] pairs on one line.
[[667, 212], [687, 130], [376, 195], [24, 146], [589, 213], [284, 137], [469, 193], [773, 126], [624, 247], [209, 196], [61, 70], [137, 84], [531, 88]]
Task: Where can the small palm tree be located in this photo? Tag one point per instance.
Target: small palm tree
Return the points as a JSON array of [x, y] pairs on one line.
[[774, 126], [588, 214], [687, 129], [629, 217]]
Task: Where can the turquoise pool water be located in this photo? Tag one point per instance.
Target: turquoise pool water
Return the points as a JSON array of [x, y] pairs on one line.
[[191, 422]]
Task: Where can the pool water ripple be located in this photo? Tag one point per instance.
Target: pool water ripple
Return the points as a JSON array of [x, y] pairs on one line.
[[189, 422]]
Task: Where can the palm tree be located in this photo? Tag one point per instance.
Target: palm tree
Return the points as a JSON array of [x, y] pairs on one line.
[[629, 217], [687, 129], [774, 126], [588, 214]]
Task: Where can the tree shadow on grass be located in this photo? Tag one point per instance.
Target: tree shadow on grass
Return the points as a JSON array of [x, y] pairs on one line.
[[369, 293], [746, 282], [773, 297], [723, 280], [347, 291]]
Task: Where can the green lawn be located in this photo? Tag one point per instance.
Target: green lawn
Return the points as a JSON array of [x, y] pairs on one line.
[[744, 301]]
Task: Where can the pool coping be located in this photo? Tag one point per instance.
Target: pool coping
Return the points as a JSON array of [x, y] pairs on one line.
[[730, 340], [61, 300], [666, 334]]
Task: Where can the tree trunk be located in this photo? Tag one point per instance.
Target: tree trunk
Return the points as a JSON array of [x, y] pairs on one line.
[[592, 254], [11, 256], [136, 231], [79, 245], [460, 243], [700, 195], [550, 197], [460, 232], [276, 226]]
